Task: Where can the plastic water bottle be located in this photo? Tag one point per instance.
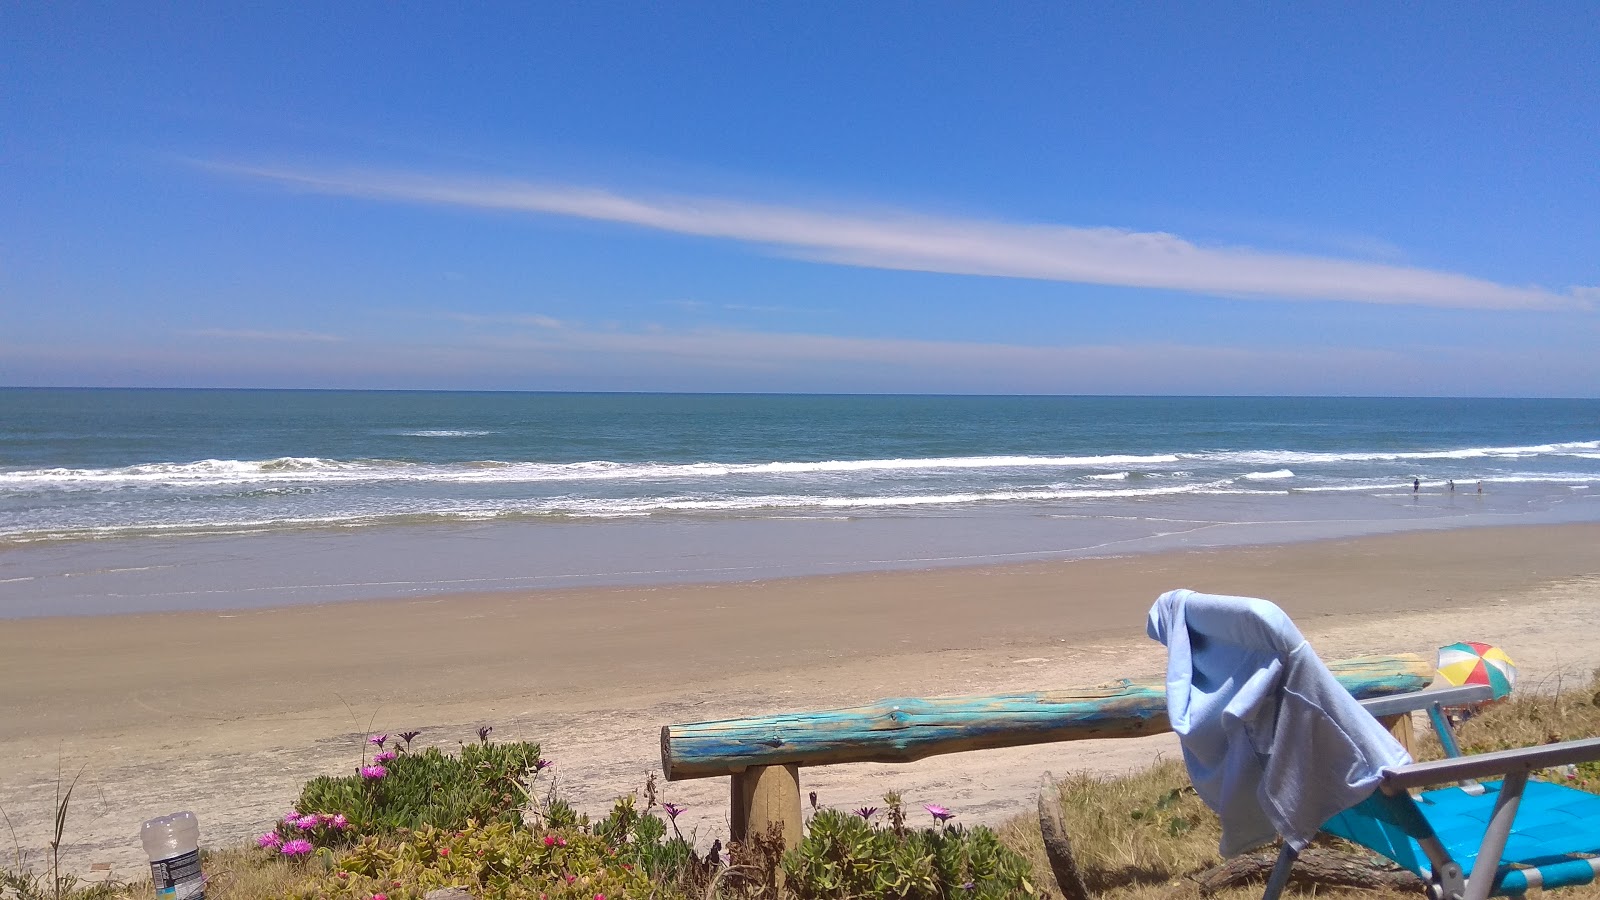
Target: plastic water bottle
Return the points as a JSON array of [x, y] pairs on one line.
[[173, 845]]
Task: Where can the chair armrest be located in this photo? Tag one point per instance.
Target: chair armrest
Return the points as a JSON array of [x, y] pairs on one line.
[[1396, 704], [1485, 765]]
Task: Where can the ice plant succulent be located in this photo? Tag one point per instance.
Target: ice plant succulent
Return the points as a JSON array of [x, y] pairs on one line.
[[939, 813]]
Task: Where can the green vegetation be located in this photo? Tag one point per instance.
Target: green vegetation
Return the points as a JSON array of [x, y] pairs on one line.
[[478, 820]]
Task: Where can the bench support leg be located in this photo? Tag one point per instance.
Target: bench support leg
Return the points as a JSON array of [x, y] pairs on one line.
[[762, 795]]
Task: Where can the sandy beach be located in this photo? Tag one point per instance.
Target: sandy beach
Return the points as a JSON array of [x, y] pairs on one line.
[[228, 713]]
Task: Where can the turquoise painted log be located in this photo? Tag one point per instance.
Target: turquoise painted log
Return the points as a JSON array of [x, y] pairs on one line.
[[908, 729]]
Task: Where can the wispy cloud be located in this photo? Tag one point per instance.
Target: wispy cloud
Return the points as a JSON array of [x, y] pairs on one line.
[[909, 241], [246, 334], [532, 320]]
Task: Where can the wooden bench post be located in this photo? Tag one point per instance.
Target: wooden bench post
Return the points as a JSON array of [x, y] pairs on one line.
[[1400, 727], [761, 795]]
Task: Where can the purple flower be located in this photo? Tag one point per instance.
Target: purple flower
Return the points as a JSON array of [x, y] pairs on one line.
[[270, 839], [373, 773], [673, 810], [539, 765], [385, 756], [408, 737], [307, 821], [296, 847], [939, 813], [339, 821], [483, 732], [291, 817], [867, 812], [378, 739]]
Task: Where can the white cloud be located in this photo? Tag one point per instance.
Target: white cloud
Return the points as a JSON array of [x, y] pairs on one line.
[[1089, 255], [247, 334], [533, 320]]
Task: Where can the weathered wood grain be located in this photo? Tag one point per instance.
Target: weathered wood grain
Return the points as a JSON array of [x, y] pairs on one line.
[[912, 728]]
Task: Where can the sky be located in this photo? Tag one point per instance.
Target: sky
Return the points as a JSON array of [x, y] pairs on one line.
[[1156, 198]]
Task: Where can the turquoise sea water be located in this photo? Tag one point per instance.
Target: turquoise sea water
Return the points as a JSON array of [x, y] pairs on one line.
[[585, 488]]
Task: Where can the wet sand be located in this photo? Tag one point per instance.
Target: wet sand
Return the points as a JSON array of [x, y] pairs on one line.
[[227, 713]]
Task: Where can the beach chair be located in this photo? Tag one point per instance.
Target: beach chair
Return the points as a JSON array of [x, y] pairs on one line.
[[1277, 748]]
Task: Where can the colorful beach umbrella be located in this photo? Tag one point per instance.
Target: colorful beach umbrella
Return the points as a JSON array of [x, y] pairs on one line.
[[1474, 662]]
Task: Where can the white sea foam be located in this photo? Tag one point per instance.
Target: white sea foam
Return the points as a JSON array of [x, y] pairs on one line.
[[1291, 457], [306, 469], [444, 432], [1113, 476], [1274, 475], [439, 509], [221, 472]]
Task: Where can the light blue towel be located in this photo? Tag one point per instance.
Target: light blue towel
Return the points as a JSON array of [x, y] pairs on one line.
[[1273, 742]]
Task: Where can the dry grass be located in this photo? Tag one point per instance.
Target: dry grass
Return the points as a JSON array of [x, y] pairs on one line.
[[245, 873], [1140, 836]]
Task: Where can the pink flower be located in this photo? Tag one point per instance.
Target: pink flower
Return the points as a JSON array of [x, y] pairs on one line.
[[378, 739], [385, 756], [296, 847], [444, 851], [380, 897], [339, 821], [549, 840], [270, 839], [373, 773], [290, 817], [307, 821], [939, 813]]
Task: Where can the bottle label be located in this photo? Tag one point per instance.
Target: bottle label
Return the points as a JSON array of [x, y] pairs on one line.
[[178, 877]]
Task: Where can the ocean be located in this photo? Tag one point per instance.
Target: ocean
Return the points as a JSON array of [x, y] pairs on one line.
[[141, 500]]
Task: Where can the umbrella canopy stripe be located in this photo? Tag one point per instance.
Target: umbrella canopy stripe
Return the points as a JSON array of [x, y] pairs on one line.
[[1474, 662]]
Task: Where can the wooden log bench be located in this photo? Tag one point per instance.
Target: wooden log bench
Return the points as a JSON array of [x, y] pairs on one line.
[[764, 754]]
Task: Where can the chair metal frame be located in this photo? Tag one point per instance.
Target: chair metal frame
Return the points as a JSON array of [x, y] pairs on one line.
[[1446, 881]]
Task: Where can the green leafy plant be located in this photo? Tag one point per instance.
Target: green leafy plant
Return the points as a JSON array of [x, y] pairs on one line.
[[844, 855], [486, 782], [497, 861]]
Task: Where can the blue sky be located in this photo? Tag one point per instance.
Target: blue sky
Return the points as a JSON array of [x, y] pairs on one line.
[[935, 197]]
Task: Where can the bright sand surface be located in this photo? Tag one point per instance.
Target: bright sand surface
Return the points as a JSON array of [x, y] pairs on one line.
[[228, 713]]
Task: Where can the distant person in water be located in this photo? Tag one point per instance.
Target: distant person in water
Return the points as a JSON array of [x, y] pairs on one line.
[[1416, 485], [1452, 485], [1480, 487]]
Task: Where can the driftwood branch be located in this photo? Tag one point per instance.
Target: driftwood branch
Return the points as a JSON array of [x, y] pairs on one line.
[[1057, 845], [1315, 867]]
